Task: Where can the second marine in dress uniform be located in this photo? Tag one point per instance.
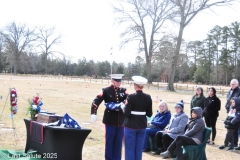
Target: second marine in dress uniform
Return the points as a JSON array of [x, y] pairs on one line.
[[113, 96], [138, 106]]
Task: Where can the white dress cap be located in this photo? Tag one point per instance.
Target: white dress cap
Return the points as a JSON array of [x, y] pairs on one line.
[[117, 77], [139, 80]]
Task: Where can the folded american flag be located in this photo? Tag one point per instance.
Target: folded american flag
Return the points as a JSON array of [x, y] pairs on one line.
[[114, 106], [69, 122]]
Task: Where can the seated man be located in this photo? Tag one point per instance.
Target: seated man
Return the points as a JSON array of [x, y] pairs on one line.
[[175, 128], [158, 123]]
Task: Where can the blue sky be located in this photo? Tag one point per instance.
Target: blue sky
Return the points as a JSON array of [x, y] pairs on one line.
[[87, 25]]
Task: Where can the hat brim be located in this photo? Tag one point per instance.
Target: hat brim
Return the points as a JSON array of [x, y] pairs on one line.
[[139, 80], [117, 80]]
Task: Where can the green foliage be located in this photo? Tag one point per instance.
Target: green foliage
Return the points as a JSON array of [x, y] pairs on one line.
[[31, 111], [84, 68], [154, 77], [103, 68], [192, 69], [1, 63], [120, 69], [199, 75], [182, 73]]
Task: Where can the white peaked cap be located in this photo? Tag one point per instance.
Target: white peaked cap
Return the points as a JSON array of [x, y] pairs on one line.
[[116, 76], [139, 80]]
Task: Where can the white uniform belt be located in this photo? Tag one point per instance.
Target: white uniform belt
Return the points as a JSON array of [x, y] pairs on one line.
[[138, 113]]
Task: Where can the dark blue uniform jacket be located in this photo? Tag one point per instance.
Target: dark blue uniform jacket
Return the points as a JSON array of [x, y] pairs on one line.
[[110, 94]]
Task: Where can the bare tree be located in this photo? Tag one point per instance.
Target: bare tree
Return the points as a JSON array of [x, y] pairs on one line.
[[216, 35], [17, 38], [163, 57], [1, 43], [235, 39], [47, 40], [187, 10], [1, 54], [144, 18]]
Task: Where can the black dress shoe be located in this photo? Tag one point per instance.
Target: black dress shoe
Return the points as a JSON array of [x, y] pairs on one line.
[[146, 150], [157, 152], [237, 148]]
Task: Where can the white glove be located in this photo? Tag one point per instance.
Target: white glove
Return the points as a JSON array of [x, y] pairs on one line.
[[94, 117], [122, 105]]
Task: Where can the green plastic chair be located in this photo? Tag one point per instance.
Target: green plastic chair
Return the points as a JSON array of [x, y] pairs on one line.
[[152, 138], [197, 152], [152, 143]]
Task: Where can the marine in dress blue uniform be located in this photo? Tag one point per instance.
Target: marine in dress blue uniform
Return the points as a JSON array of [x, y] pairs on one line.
[[114, 97], [138, 106]]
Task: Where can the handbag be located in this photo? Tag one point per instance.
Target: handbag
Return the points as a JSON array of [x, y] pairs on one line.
[[151, 126]]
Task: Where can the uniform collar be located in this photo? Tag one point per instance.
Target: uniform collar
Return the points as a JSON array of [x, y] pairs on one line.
[[114, 87]]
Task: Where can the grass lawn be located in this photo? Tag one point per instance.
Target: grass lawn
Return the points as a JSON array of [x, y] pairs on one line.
[[75, 97]]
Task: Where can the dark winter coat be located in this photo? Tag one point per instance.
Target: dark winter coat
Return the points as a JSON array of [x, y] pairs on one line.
[[235, 93], [161, 119], [110, 94], [234, 122], [211, 106], [196, 127]]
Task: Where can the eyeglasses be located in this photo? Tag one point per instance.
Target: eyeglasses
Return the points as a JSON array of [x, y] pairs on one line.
[[232, 84]]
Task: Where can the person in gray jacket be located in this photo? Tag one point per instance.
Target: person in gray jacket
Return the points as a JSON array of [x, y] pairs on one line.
[[175, 128], [192, 136]]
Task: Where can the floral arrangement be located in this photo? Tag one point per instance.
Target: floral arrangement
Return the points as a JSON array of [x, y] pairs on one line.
[[35, 105], [13, 102]]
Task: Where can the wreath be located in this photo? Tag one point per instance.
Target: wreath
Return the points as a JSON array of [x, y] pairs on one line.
[[35, 105], [13, 101]]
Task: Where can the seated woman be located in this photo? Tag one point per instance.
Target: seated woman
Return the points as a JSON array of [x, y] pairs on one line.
[[158, 123], [175, 128], [192, 136]]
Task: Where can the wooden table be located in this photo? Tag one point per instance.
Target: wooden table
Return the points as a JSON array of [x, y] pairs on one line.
[[59, 143]]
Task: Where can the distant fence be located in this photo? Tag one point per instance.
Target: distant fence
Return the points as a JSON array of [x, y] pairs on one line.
[[189, 88], [155, 85]]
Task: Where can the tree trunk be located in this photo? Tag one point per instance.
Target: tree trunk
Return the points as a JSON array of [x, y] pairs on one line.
[[175, 58], [217, 68], [235, 61], [45, 63], [226, 79], [149, 70], [208, 74], [15, 68], [16, 64]]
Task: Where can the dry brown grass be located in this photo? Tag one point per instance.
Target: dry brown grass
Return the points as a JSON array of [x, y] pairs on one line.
[[74, 97]]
